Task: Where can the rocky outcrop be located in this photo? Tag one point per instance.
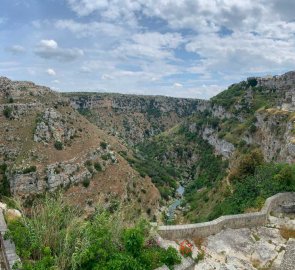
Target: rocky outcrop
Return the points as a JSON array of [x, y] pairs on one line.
[[62, 174], [285, 86], [20, 89], [275, 135], [53, 125], [5, 87], [222, 147]]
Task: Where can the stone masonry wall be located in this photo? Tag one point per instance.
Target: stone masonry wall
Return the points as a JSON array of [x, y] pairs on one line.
[[205, 229]]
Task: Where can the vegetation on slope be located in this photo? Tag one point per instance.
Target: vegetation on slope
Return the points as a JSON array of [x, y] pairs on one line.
[[163, 177], [55, 236], [253, 182]]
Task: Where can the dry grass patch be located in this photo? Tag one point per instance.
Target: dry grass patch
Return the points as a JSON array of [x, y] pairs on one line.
[[198, 242], [287, 233]]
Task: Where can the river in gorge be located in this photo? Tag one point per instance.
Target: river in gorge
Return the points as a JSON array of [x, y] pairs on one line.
[[176, 203]]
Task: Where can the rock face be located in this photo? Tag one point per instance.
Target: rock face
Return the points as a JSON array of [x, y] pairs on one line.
[[222, 147], [53, 125], [275, 134], [286, 85], [63, 174], [135, 118]]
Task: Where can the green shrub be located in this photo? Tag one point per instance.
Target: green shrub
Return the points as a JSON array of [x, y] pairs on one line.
[[86, 182], [171, 257], [58, 145], [88, 163], [133, 241], [29, 169], [103, 145], [106, 156], [98, 166], [252, 129], [252, 81], [4, 182], [123, 262], [7, 112]]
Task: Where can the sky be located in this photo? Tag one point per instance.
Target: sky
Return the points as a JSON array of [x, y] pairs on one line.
[[181, 48]]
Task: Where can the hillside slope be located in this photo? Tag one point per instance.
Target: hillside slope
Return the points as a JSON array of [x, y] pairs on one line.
[[45, 145]]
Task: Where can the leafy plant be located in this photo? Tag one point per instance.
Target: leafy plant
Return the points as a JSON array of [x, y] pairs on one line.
[[58, 145], [7, 112], [97, 166], [103, 145]]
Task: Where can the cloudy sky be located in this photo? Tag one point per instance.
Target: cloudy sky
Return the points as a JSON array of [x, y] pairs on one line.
[[183, 48]]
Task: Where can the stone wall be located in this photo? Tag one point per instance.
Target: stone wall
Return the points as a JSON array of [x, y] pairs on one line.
[[205, 229]]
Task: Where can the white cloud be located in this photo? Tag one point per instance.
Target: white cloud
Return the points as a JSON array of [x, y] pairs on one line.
[[16, 49], [107, 77], [49, 49], [56, 81], [48, 44], [51, 72], [120, 10], [177, 85], [151, 45], [90, 29]]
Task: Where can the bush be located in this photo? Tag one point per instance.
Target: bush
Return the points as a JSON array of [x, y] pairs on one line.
[[247, 165], [58, 145], [171, 257], [7, 112], [103, 145], [252, 81], [97, 166], [29, 169], [4, 182], [133, 241], [86, 182]]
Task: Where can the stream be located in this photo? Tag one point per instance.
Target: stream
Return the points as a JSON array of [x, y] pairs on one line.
[[176, 203]]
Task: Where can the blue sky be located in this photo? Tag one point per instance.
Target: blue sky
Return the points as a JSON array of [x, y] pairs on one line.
[[183, 48]]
